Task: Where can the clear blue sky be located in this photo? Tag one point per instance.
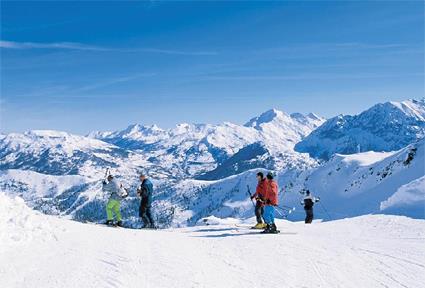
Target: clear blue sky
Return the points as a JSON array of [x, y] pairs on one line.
[[82, 66]]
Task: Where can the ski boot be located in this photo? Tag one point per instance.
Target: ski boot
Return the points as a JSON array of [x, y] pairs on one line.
[[267, 230], [259, 226], [273, 229], [109, 223], [119, 224], [152, 226]]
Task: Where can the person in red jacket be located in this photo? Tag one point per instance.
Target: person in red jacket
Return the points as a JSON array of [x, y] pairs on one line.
[[271, 199], [259, 197]]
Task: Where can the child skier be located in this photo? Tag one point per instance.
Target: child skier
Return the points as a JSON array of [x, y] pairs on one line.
[[259, 197], [271, 195], [308, 203], [113, 190]]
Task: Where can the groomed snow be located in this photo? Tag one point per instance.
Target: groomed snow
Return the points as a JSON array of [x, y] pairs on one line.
[[367, 251]]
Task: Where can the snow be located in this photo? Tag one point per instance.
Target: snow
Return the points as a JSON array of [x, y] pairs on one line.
[[384, 127], [193, 149], [352, 185], [412, 193], [41, 185], [365, 158], [20, 225], [368, 251]]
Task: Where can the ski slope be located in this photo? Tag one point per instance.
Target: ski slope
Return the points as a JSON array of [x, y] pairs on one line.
[[369, 251]]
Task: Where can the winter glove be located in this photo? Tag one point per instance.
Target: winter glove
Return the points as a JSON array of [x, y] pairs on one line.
[[317, 199], [252, 197], [125, 194], [259, 199], [103, 182], [268, 201]]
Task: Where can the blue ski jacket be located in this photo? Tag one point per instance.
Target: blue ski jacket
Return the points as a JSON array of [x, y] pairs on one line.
[[146, 190]]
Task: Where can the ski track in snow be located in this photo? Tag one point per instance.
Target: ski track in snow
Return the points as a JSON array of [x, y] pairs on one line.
[[367, 251]]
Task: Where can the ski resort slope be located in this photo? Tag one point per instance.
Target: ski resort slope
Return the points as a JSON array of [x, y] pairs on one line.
[[369, 251]]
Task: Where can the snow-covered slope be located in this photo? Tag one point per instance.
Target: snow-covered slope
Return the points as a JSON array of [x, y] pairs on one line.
[[408, 199], [349, 185], [369, 251], [357, 184], [71, 196], [384, 127]]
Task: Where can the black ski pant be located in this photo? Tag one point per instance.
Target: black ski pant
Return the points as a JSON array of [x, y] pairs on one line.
[[146, 214], [259, 211], [309, 215]]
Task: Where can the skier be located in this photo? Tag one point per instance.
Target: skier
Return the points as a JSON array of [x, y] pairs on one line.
[[308, 203], [113, 190], [259, 197], [145, 192], [270, 198]]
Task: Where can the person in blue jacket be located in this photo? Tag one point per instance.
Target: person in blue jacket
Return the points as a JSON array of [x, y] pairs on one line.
[[145, 192]]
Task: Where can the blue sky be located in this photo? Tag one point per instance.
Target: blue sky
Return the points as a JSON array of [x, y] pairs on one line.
[[82, 66]]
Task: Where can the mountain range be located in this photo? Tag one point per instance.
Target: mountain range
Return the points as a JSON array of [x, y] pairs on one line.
[[384, 127], [203, 169]]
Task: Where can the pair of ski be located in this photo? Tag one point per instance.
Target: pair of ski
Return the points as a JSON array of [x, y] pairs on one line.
[[260, 231], [113, 225]]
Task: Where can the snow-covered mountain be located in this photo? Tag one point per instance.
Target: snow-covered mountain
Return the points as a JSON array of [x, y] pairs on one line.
[[384, 127], [349, 185], [34, 164], [200, 169], [60, 153], [185, 151], [195, 149]]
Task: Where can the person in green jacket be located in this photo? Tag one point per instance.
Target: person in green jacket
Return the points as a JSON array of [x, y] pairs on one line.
[[113, 191]]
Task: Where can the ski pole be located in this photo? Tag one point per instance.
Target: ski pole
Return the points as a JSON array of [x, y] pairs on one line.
[[250, 195], [326, 211], [289, 210], [106, 173], [280, 213]]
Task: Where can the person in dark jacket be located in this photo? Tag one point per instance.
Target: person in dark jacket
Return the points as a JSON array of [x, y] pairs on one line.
[[308, 203], [259, 197], [145, 192]]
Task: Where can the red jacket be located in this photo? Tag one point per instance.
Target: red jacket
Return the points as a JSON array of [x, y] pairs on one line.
[[271, 192], [261, 189]]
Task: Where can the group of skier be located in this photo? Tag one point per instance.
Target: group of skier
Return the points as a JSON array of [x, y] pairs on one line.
[[266, 196], [115, 193]]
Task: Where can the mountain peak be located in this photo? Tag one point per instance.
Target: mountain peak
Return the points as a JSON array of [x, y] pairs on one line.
[[265, 117], [314, 116], [47, 133]]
